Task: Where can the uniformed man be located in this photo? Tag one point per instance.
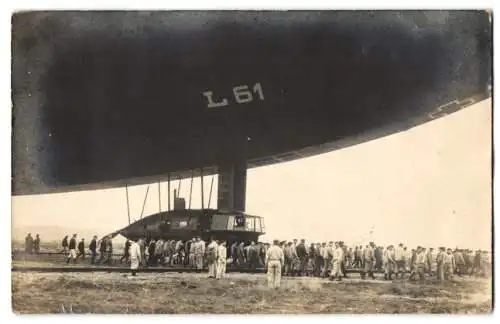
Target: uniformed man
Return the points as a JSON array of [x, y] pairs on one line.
[[338, 256], [81, 249], [429, 261], [389, 262], [179, 248], [358, 257], [221, 260], [399, 256], [459, 262], [151, 253], [449, 265], [232, 252], [199, 252], [440, 261], [212, 258], [109, 250], [93, 249], [72, 249], [167, 253], [378, 253], [159, 252], [64, 244], [126, 252], [253, 255], [36, 244], [142, 246], [135, 257], [350, 258], [420, 263], [344, 259], [368, 259], [322, 253], [296, 259], [274, 261], [288, 253], [407, 256], [327, 257], [303, 256], [102, 250], [318, 260]]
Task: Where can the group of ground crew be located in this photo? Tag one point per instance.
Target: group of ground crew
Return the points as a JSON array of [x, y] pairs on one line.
[[331, 260], [214, 255]]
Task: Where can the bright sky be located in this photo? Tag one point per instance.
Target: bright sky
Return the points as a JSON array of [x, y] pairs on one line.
[[430, 185]]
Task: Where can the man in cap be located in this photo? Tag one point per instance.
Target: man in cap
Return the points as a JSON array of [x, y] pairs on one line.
[[368, 258], [399, 257], [440, 261], [389, 262], [274, 261], [420, 263], [338, 256]]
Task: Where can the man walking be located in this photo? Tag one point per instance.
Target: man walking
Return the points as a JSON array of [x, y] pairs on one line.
[[72, 249], [93, 249], [135, 257]]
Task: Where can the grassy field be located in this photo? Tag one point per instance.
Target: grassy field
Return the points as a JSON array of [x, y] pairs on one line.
[[37, 293]]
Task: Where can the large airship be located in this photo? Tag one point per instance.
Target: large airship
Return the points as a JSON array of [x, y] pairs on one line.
[[108, 99]]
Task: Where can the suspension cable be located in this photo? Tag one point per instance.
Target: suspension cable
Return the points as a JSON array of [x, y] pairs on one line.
[[144, 203], [128, 205], [191, 188], [210, 194]]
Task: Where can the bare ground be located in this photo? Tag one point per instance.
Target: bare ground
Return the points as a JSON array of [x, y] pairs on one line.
[[41, 293]]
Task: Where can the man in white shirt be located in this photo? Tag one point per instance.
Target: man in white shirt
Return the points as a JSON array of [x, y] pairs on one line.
[[338, 257], [275, 259], [221, 260]]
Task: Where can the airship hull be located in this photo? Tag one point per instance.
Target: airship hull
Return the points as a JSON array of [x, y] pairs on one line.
[[99, 103]]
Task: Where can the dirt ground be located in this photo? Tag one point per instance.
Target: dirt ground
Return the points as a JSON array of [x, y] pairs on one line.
[[41, 293]]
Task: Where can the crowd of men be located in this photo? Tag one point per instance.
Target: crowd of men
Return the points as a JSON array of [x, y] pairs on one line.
[[294, 258]]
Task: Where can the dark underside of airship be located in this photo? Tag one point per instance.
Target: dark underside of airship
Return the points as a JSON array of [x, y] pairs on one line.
[[104, 99]]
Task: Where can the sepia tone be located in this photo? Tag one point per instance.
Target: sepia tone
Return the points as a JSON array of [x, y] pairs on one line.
[[267, 162]]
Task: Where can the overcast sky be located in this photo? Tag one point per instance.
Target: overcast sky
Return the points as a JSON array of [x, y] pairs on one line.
[[429, 185]]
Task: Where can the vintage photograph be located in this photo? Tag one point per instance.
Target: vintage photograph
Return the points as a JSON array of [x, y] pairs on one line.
[[252, 162]]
